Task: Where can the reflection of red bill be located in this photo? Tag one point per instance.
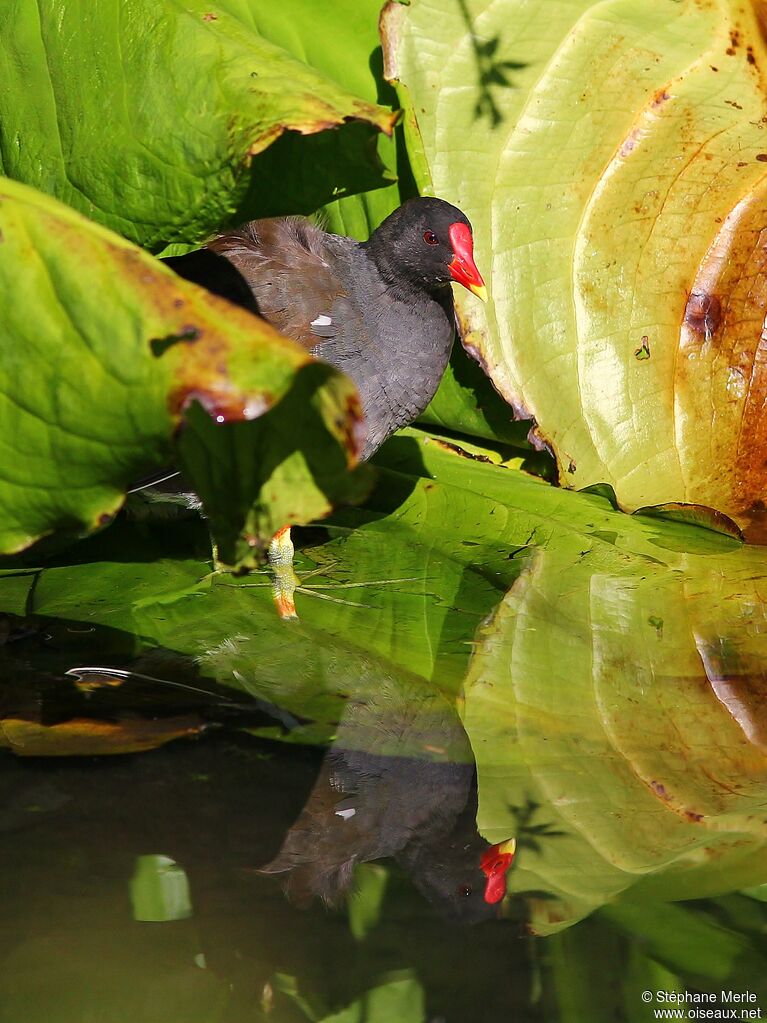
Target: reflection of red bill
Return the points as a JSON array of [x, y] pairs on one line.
[[495, 865]]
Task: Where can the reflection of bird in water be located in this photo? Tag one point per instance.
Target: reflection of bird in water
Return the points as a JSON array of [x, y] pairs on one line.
[[398, 782]]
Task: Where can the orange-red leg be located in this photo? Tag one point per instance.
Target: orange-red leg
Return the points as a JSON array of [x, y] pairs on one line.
[[284, 578]]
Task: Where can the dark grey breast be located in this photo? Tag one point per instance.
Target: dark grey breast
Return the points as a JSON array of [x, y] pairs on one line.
[[325, 291]]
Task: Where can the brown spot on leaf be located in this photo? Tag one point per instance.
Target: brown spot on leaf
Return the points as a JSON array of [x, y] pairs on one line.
[[693, 817], [713, 68], [703, 313], [660, 790], [659, 98], [209, 16], [755, 522], [722, 386], [221, 406], [539, 442], [730, 52]]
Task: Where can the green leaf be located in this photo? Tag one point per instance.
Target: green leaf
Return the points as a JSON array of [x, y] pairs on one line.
[[759, 892], [466, 402], [159, 890], [288, 466], [194, 93], [288, 985], [617, 197], [105, 351], [399, 998], [396, 998], [686, 941], [366, 900]]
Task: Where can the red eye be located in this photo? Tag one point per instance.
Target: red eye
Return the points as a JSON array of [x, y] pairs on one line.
[[430, 238]]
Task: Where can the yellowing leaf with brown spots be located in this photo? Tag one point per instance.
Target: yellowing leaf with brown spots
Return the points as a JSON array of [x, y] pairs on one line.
[[612, 157], [82, 737], [111, 366]]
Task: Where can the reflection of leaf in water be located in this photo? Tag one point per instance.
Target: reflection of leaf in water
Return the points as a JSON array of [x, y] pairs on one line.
[[397, 996], [83, 737], [642, 745], [740, 684], [713, 947]]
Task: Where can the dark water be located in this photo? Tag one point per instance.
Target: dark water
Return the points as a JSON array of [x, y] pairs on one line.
[[71, 950], [71, 834]]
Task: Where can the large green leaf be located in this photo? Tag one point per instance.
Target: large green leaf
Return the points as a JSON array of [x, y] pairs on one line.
[[655, 957], [388, 616], [105, 353], [613, 699], [618, 199], [146, 116]]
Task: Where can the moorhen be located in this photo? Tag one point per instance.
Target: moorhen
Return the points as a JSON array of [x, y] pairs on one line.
[[380, 310], [398, 782]]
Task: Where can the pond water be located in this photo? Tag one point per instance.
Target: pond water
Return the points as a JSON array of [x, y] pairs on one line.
[[219, 808], [207, 813]]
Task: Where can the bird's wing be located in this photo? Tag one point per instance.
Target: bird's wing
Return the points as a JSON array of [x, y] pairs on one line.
[[285, 262]]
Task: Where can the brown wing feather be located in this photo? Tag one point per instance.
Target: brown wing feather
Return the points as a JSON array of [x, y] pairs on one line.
[[282, 260]]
